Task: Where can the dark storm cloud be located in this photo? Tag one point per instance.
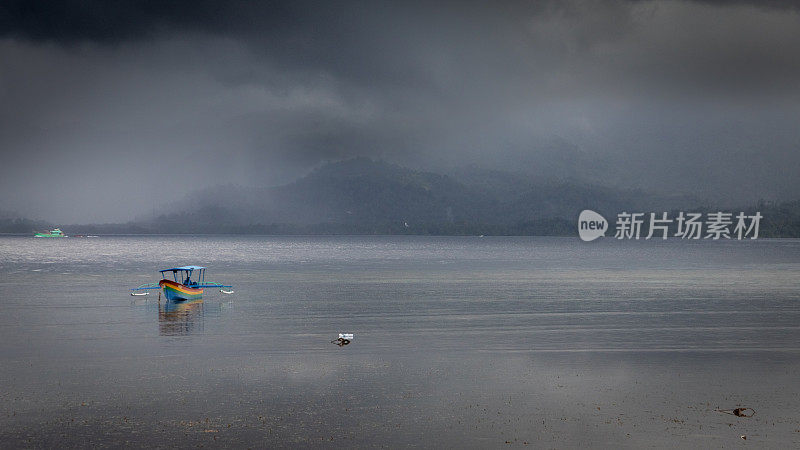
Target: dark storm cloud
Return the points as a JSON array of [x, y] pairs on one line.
[[106, 97], [402, 43], [114, 20]]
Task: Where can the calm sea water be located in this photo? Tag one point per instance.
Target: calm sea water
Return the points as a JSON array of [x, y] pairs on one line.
[[459, 342]]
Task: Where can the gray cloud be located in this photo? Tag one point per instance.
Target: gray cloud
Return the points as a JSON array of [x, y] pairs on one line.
[[110, 107]]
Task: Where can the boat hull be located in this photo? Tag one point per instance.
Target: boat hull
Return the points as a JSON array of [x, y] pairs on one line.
[[179, 292], [56, 233]]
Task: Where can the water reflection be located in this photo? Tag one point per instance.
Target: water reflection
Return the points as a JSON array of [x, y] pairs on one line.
[[180, 318]]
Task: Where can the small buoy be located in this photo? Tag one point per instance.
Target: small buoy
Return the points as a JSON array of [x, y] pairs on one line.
[[137, 294]]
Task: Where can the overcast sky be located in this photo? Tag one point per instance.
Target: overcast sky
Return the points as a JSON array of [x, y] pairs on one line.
[[108, 108]]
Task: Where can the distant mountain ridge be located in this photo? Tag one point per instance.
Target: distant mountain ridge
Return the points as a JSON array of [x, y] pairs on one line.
[[11, 222], [366, 196], [363, 196]]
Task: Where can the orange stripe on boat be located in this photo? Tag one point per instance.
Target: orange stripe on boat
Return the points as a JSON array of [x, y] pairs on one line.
[[180, 287]]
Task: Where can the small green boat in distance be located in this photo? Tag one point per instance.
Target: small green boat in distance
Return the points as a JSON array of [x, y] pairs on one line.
[[51, 234]]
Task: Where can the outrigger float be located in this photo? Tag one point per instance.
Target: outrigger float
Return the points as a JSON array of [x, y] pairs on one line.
[[182, 286]]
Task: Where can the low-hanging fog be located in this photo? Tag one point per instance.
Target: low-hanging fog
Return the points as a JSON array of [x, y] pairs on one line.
[[111, 109]]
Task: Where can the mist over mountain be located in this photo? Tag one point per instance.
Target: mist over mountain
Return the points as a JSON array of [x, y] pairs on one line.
[[110, 109], [13, 222], [365, 196]]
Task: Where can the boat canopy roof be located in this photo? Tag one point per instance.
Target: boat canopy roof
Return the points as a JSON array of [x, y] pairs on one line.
[[187, 268]]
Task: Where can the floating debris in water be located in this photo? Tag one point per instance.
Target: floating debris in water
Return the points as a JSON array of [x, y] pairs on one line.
[[344, 339], [738, 412]]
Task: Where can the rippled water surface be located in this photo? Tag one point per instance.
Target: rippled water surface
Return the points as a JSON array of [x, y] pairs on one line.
[[459, 342]]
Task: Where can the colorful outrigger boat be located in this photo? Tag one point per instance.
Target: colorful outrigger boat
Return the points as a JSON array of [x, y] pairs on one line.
[[182, 286], [56, 233]]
